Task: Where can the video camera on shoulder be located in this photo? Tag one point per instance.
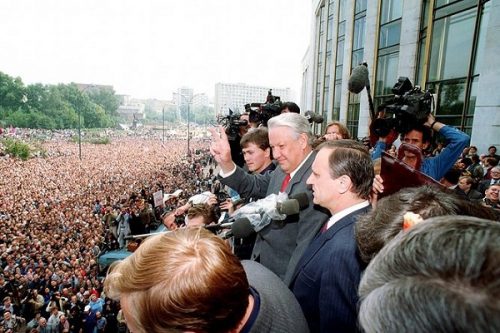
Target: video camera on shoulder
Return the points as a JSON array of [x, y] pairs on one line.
[[262, 112], [232, 123], [409, 108]]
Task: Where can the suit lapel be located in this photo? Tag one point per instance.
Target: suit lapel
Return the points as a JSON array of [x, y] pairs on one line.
[[321, 238], [297, 178]]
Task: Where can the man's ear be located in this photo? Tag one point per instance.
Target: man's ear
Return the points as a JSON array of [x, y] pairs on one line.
[[344, 184], [425, 145]]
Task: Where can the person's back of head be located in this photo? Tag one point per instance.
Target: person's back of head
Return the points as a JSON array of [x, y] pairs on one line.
[[200, 215], [440, 276], [289, 107], [188, 280], [378, 227]]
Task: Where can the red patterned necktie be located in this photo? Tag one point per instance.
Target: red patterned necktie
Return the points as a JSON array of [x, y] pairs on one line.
[[285, 182]]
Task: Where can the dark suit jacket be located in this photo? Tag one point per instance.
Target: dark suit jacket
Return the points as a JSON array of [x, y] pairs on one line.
[[280, 245], [327, 278]]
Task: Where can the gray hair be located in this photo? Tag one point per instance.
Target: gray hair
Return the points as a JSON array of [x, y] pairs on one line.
[[441, 276], [298, 123]]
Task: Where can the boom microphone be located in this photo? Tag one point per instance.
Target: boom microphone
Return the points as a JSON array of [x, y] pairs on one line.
[[313, 117], [358, 80]]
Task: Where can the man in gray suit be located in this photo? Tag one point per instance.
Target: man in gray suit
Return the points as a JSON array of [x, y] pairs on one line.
[[279, 245]]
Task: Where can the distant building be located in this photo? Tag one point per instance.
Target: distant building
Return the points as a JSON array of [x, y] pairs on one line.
[[130, 112], [234, 96], [450, 47], [200, 100]]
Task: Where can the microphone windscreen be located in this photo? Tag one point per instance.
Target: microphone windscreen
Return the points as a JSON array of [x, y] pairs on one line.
[[302, 198], [289, 207], [242, 228], [358, 79]]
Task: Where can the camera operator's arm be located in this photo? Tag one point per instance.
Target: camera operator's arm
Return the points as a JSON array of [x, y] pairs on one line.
[[457, 140], [221, 150]]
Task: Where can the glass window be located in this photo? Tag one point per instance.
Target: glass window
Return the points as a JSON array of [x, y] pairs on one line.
[[440, 3], [336, 101], [391, 10], [473, 97], [359, 33], [360, 6], [387, 73], [450, 99], [485, 18], [389, 34], [357, 58], [340, 52], [451, 46], [421, 60]]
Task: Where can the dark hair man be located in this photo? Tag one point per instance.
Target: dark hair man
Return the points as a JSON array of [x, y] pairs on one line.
[[279, 245], [440, 276], [189, 281], [327, 276], [420, 136], [289, 107], [257, 151], [465, 184]]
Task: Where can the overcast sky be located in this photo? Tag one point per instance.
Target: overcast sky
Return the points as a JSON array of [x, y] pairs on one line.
[[149, 48]]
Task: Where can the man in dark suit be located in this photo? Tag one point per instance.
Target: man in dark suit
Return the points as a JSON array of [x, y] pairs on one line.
[[280, 244], [327, 276]]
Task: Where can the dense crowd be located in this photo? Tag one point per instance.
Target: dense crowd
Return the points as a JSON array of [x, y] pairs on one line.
[[53, 227]]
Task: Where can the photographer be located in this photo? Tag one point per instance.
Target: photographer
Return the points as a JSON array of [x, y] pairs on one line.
[[420, 136]]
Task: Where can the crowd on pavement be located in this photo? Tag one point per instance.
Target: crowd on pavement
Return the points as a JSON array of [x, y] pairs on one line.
[[53, 223], [58, 213]]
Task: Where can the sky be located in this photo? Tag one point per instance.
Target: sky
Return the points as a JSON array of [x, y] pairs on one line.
[[149, 48]]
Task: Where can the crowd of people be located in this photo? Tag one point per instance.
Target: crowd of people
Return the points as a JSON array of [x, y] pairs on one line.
[[59, 213], [54, 223]]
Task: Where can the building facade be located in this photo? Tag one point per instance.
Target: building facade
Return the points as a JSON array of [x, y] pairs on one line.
[[447, 46], [234, 96]]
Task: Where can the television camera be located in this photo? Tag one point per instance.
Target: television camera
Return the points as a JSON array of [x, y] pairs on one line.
[[409, 108]]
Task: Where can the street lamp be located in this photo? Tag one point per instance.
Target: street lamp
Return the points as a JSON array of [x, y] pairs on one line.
[[163, 111], [189, 101], [84, 90]]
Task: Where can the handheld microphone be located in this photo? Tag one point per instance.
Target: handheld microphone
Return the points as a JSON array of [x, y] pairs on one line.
[[358, 80], [294, 204], [244, 227]]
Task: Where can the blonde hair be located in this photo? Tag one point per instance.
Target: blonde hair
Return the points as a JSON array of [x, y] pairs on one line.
[[183, 280]]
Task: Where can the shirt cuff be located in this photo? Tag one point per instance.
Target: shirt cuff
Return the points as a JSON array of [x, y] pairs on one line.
[[230, 173]]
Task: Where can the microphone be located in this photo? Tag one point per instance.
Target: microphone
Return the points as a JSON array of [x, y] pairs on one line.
[[313, 117], [245, 226], [219, 226], [294, 204], [358, 80], [242, 228]]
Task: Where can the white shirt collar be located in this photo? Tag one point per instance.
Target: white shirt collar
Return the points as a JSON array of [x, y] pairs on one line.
[[343, 213], [300, 165]]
